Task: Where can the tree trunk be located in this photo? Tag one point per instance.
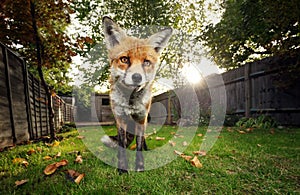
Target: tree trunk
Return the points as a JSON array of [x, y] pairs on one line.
[[40, 71]]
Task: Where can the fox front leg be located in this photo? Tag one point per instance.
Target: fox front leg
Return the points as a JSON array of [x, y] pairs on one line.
[[140, 144], [122, 159]]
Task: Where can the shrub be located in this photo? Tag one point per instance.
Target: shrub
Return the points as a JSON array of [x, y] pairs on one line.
[[261, 121], [67, 127], [231, 120]]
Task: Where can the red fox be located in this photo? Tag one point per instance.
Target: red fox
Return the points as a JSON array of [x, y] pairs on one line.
[[133, 64]]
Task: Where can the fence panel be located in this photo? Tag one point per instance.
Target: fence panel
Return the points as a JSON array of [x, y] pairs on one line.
[[252, 90], [23, 103], [17, 88], [5, 120], [13, 99]]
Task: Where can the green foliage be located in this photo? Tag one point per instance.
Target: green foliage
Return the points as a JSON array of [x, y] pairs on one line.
[[261, 122], [82, 95], [204, 119], [51, 20], [67, 127], [181, 15], [231, 120], [251, 30]]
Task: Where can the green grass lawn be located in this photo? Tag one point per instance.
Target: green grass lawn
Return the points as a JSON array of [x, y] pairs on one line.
[[260, 162]]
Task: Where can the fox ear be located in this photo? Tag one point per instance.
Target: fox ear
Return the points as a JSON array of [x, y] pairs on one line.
[[113, 34], [159, 40]]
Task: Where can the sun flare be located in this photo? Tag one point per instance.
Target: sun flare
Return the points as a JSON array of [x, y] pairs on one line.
[[192, 74]]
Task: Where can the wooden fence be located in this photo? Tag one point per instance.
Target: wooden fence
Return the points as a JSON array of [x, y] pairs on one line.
[[250, 90], [23, 102]]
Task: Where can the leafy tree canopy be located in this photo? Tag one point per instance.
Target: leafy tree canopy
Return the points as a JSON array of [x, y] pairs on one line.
[[253, 29], [52, 18], [186, 16]]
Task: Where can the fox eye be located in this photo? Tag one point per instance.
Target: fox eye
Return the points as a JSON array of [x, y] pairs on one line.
[[146, 63], [124, 59]]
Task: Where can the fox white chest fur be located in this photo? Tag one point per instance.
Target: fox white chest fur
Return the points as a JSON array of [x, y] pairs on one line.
[[133, 64], [131, 104]]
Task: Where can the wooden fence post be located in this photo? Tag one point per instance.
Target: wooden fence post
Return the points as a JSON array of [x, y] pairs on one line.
[[47, 115], [27, 99], [10, 101], [248, 90], [40, 110], [34, 105]]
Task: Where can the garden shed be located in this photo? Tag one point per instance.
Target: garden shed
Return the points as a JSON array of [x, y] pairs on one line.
[[101, 111]]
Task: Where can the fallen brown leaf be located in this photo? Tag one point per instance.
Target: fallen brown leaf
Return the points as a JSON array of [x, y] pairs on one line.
[[57, 155], [56, 143], [230, 172], [74, 152], [25, 163], [179, 136], [133, 147], [21, 161], [200, 153], [47, 158], [178, 153], [39, 149], [62, 163], [182, 155], [172, 143], [79, 178], [80, 137], [74, 176], [72, 173], [184, 143], [229, 129], [18, 160], [272, 131], [31, 151], [50, 169], [242, 132], [200, 135], [186, 157], [195, 162], [21, 182], [160, 138], [79, 159], [250, 129]]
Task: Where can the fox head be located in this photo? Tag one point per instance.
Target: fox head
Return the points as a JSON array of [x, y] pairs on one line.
[[133, 60]]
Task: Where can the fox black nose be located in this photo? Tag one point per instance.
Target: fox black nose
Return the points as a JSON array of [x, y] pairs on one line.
[[136, 78]]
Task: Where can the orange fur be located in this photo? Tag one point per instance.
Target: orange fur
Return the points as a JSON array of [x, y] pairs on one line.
[[132, 70]]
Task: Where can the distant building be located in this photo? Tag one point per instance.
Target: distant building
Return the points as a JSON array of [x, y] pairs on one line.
[[100, 108]]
